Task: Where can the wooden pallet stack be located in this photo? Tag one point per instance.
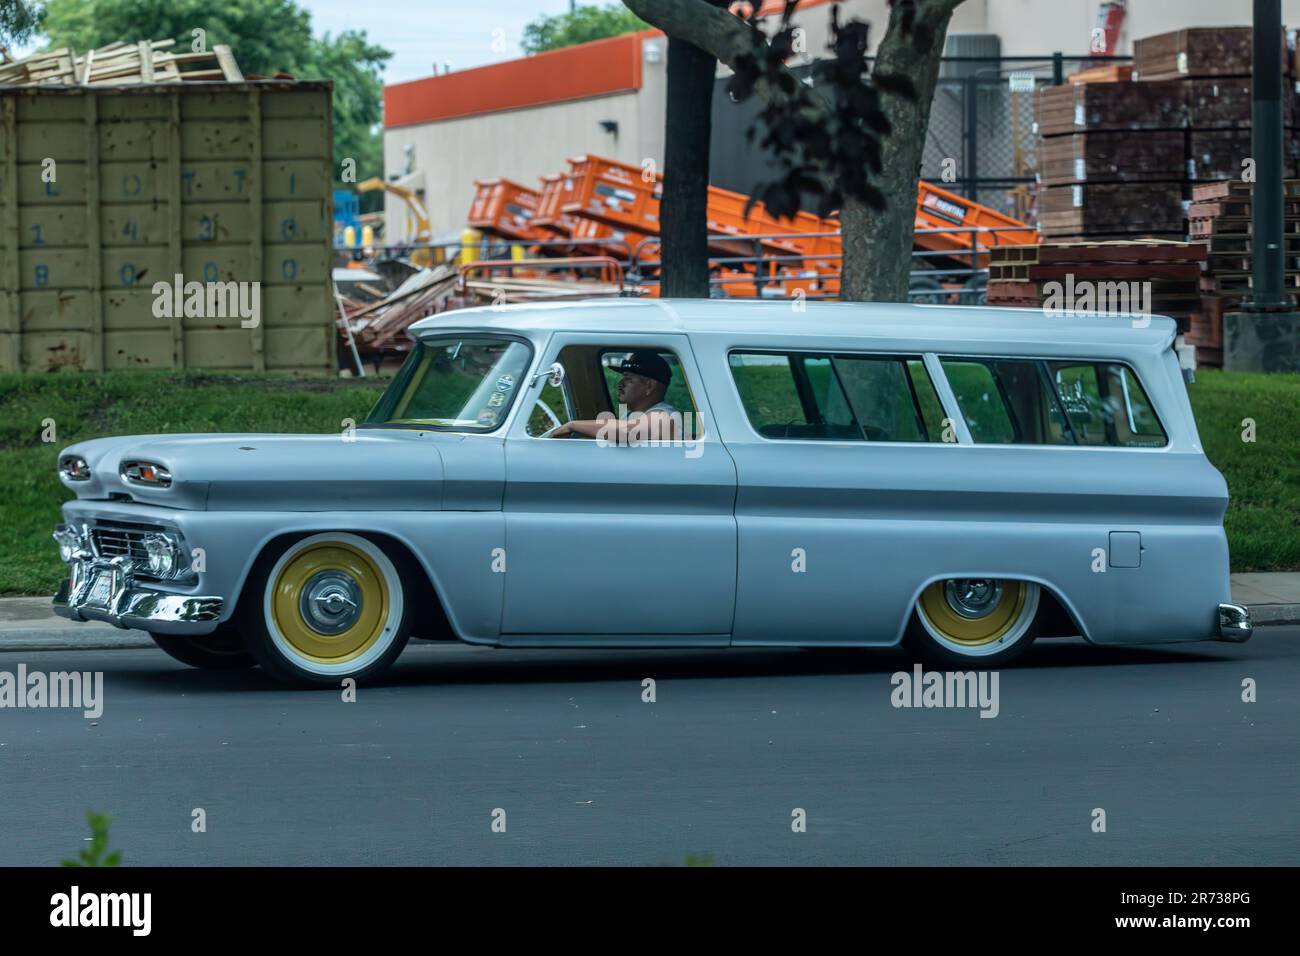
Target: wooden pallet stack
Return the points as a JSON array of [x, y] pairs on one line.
[[122, 64], [1220, 218], [1131, 275], [1119, 160], [1009, 284]]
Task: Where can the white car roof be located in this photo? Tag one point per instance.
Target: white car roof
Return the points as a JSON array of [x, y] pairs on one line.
[[771, 324]]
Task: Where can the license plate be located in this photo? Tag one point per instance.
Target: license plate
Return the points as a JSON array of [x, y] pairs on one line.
[[101, 590]]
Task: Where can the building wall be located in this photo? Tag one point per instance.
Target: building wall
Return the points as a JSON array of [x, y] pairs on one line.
[[523, 144]]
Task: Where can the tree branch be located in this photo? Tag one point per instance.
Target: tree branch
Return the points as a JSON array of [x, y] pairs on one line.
[[710, 28]]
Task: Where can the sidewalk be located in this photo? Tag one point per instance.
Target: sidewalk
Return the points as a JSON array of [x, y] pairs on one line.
[[28, 623], [1273, 597]]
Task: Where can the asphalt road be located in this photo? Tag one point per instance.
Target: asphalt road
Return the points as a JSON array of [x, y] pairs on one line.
[[588, 773]]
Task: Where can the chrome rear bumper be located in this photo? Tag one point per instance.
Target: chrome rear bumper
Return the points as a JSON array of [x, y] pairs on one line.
[[1234, 623], [104, 589]]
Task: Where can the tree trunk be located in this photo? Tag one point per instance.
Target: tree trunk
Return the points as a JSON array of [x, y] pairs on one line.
[[683, 227], [878, 245]]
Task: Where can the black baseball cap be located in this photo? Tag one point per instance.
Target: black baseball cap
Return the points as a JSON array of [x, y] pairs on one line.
[[649, 364]]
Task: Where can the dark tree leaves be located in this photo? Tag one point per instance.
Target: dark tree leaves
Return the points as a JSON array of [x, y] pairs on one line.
[[824, 136]]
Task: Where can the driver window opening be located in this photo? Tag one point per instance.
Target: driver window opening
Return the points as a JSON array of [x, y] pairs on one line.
[[615, 380]]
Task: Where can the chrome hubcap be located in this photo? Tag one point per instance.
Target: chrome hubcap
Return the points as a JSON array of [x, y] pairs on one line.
[[330, 603], [973, 598]]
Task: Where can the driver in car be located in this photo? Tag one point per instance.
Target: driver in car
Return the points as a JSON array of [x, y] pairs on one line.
[[645, 381]]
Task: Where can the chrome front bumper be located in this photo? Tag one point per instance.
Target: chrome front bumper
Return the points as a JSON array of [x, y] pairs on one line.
[[104, 589], [1234, 623]]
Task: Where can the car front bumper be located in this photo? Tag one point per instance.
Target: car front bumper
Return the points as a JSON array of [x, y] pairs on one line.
[[104, 589], [1235, 624]]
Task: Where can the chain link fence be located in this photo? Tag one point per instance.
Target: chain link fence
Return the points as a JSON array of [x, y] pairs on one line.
[[981, 140]]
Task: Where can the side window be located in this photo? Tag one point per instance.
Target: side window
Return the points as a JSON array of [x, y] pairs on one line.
[[980, 401], [767, 390], [928, 400], [1080, 391], [828, 395], [549, 411], [1030, 402], [892, 399], [837, 397], [1106, 405], [1003, 402]]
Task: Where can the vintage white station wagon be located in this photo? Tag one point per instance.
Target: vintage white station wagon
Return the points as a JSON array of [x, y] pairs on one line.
[[959, 479]]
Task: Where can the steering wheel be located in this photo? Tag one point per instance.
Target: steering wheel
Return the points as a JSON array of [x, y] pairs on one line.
[[551, 415]]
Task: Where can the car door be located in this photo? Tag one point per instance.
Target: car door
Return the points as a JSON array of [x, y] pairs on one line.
[[835, 452], [619, 544]]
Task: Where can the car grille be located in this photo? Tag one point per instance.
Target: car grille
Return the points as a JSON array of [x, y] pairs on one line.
[[112, 541]]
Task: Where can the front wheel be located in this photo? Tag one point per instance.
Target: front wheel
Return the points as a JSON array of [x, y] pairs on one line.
[[988, 621], [330, 606], [222, 650]]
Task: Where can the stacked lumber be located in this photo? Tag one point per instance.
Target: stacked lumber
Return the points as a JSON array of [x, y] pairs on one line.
[[1115, 73], [1109, 157], [1119, 160], [1220, 217], [1092, 107], [1196, 51], [1135, 275], [122, 64], [1111, 160]]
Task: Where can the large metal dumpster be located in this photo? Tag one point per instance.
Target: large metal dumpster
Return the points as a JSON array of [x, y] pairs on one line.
[[106, 192]]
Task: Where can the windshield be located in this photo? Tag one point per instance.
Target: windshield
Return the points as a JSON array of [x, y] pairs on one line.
[[454, 382]]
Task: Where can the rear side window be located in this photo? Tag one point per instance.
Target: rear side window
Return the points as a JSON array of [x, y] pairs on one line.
[[1106, 405], [1031, 402], [827, 397]]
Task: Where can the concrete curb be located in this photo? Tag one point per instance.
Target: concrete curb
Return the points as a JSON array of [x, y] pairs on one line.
[[1275, 615], [50, 639]]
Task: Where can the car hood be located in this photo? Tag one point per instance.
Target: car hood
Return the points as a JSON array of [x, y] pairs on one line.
[[369, 470]]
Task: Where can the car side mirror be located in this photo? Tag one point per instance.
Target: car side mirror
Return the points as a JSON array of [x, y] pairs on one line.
[[554, 375]]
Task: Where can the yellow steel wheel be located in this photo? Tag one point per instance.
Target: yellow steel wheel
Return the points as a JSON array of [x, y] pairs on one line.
[[330, 601], [977, 616]]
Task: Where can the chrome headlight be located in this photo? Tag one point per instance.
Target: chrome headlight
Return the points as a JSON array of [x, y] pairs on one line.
[[162, 554], [74, 468], [145, 473]]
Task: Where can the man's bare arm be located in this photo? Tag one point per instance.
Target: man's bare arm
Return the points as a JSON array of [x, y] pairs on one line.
[[658, 425]]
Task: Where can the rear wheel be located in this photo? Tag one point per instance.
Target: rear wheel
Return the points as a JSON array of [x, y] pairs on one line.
[[984, 620], [222, 650], [330, 606]]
